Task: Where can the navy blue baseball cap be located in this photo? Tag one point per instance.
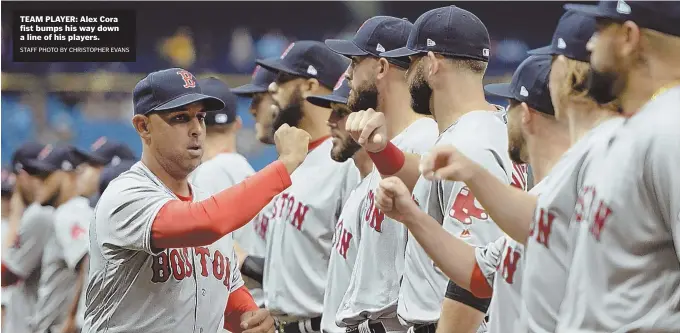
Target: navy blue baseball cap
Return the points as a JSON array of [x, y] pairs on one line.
[[309, 59], [104, 151], [661, 16], [339, 95], [450, 31], [529, 84], [378, 34], [259, 83], [170, 89], [570, 38], [55, 158], [214, 87], [25, 152]]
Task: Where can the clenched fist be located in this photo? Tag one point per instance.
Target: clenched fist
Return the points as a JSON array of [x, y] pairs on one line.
[[292, 145], [394, 199], [368, 129], [447, 163], [258, 321]]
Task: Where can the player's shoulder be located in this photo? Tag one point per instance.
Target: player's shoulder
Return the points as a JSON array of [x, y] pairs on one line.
[[477, 128], [418, 137], [36, 213], [75, 205], [131, 185]]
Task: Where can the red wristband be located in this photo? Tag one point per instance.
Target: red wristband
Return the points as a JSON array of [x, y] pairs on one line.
[[388, 161]]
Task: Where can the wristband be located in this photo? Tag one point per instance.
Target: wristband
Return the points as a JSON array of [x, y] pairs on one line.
[[388, 161]]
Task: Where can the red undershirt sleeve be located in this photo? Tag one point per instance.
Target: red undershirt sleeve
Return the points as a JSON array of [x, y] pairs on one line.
[[240, 302]]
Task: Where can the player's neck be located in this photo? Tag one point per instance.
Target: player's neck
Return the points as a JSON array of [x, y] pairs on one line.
[[216, 144], [67, 192], [363, 162], [643, 84], [584, 116], [395, 103], [314, 121], [546, 148], [454, 99], [176, 184]]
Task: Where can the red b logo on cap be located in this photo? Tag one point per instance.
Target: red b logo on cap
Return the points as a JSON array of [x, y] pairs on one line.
[[188, 79]]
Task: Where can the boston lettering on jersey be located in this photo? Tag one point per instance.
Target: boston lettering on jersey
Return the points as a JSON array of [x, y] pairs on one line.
[[509, 264], [588, 204], [261, 225], [342, 239], [179, 264], [374, 217], [544, 226], [286, 205]]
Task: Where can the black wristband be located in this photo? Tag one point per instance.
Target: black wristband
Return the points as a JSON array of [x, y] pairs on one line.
[[253, 267], [458, 294]]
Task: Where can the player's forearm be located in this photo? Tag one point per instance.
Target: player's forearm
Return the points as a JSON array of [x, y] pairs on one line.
[[8, 277], [393, 162], [240, 302], [253, 267], [187, 224], [80, 282], [453, 256], [510, 208]]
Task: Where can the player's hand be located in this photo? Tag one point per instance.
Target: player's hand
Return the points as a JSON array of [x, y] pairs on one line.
[[447, 163], [394, 199], [292, 144], [258, 321], [368, 129]]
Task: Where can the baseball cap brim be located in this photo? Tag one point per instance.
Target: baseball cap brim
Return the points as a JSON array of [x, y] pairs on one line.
[[325, 101], [37, 167], [588, 10], [249, 89], [90, 157], [546, 50], [210, 103], [276, 65], [345, 47], [398, 53], [499, 90]]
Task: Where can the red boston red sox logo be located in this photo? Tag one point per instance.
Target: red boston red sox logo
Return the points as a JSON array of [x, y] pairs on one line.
[[188, 78], [464, 207], [77, 231]]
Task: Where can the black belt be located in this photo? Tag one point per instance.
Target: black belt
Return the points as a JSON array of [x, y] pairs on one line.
[[293, 327], [425, 328], [374, 327]]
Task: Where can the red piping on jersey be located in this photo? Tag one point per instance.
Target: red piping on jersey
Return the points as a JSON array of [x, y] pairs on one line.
[[317, 142], [240, 302], [479, 286], [187, 224], [8, 277]]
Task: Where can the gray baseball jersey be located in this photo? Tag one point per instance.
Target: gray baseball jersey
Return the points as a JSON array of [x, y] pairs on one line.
[[374, 284], [548, 252], [502, 263], [625, 274], [133, 288], [482, 137], [300, 233], [24, 258], [255, 244], [65, 247], [221, 172], [343, 255]]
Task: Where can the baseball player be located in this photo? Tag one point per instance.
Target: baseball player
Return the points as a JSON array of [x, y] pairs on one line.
[[21, 261], [159, 258], [533, 135], [372, 293], [8, 181], [442, 63], [261, 104], [65, 243], [103, 152], [625, 275], [347, 230], [224, 167], [542, 223], [304, 217]]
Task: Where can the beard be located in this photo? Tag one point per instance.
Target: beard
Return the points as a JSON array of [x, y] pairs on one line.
[[291, 114], [516, 146], [602, 86], [420, 93], [345, 149], [364, 98]]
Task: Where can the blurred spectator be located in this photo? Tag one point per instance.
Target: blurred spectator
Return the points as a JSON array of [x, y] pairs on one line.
[[511, 51], [241, 50], [271, 44], [179, 48]]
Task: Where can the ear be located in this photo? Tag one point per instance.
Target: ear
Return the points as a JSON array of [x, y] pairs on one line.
[[629, 37], [141, 123], [383, 68], [433, 64], [527, 118], [238, 123], [309, 87]]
